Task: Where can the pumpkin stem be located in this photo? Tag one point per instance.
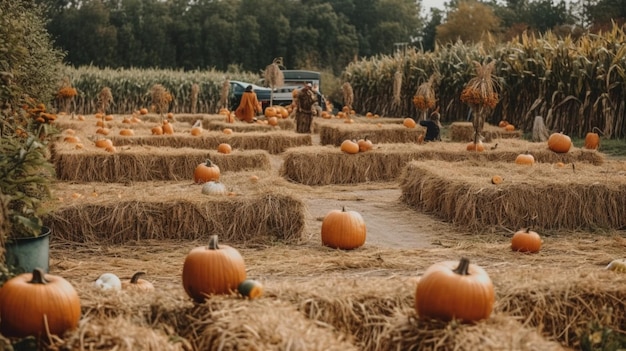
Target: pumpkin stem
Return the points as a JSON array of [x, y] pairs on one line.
[[208, 163], [213, 243], [136, 276], [597, 130], [38, 277], [463, 267]]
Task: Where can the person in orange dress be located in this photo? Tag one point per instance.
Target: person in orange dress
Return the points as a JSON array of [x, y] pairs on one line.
[[249, 106]]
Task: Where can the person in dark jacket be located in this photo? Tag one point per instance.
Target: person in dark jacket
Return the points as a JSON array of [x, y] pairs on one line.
[[433, 127]]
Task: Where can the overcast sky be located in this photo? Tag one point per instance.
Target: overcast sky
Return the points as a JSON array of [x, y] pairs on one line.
[[427, 4]]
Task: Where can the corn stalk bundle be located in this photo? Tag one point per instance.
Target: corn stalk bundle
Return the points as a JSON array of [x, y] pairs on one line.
[[274, 76], [397, 87], [224, 94], [66, 94], [480, 93], [195, 89], [348, 95], [161, 99], [424, 97], [105, 98]]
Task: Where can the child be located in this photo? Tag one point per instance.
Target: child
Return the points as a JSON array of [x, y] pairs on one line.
[[433, 127]]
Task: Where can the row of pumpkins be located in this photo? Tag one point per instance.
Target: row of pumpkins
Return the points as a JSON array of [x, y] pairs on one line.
[[34, 304]]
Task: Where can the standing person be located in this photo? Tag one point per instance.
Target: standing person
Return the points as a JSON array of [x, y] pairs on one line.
[[304, 109], [433, 127], [249, 106]]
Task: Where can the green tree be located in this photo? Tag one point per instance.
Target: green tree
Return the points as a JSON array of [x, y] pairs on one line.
[[29, 64], [468, 23]]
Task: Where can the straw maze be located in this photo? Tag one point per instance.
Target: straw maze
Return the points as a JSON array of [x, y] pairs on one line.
[[138, 209]]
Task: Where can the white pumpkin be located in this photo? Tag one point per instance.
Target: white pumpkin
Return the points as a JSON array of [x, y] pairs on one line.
[[618, 265], [108, 281], [214, 188]]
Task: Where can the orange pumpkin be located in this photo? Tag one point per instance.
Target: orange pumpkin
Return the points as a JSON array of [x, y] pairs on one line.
[[33, 304], [365, 144], [343, 230], [224, 148], [350, 146], [592, 141], [455, 290], [212, 269], [71, 139], [227, 131], [526, 241], [503, 124], [559, 142], [273, 121], [478, 147], [104, 143], [127, 132], [270, 112], [103, 131], [525, 159], [409, 123], [206, 172], [143, 111], [167, 128], [137, 284], [496, 179], [196, 128], [509, 128], [157, 130]]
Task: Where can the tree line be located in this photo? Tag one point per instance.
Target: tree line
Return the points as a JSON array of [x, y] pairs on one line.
[[216, 34]]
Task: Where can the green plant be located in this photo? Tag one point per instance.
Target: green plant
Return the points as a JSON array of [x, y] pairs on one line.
[[24, 183]]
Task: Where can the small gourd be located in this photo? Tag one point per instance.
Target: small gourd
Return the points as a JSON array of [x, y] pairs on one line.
[[214, 188], [137, 284], [617, 265], [108, 281], [250, 289]]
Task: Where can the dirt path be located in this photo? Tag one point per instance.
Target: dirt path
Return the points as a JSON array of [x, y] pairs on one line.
[[389, 222]]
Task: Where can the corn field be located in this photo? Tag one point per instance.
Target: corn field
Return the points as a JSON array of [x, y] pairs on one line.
[[574, 85], [130, 88]]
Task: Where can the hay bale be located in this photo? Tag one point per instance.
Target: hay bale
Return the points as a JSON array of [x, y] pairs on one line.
[[358, 307], [335, 134], [464, 132], [541, 196], [283, 124], [117, 334], [321, 165], [274, 143], [406, 331], [575, 308], [319, 122], [118, 213], [261, 324], [148, 163]]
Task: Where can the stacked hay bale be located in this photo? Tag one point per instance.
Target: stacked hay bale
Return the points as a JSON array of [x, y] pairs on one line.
[[385, 162], [543, 196], [464, 132]]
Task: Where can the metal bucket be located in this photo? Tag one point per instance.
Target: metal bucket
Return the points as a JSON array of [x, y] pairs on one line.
[[26, 254]]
